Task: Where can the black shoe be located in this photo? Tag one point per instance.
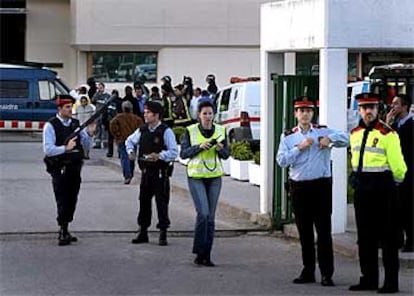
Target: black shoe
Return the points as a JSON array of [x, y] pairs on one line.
[[96, 146], [304, 279], [141, 238], [363, 287], [109, 154], [71, 237], [208, 263], [327, 282], [162, 241], [198, 260], [387, 289], [127, 181], [64, 239]]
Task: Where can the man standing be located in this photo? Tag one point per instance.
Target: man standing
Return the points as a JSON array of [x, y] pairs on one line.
[[401, 120], [99, 99], [377, 166], [64, 161], [123, 125], [306, 150], [157, 148]]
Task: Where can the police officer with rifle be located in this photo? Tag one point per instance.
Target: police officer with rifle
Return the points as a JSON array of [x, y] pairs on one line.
[[63, 142]]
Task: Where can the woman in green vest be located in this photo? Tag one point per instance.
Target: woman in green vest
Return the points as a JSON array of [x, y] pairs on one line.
[[204, 143]]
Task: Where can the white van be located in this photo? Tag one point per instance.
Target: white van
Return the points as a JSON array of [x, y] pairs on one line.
[[238, 109]]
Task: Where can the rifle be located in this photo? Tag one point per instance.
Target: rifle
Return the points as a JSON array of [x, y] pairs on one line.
[[98, 112], [54, 163]]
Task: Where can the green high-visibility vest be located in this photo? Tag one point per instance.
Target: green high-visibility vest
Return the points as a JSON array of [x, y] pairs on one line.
[[206, 164]]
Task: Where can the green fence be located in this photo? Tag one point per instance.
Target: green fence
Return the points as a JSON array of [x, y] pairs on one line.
[[286, 88]]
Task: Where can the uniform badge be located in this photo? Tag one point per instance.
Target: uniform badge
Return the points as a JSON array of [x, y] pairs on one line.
[[156, 140], [375, 142]]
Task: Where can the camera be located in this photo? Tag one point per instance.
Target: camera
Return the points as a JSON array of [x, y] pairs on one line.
[[213, 142]]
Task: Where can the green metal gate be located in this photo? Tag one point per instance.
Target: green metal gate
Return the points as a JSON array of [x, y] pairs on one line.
[[286, 88]]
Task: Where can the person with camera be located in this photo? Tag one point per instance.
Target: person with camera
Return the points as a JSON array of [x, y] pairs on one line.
[[64, 159], [378, 167], [306, 150], [157, 150], [204, 143]]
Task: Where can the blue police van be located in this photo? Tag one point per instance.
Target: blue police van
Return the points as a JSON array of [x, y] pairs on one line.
[[27, 92]]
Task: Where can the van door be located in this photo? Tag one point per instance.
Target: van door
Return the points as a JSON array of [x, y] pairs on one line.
[[45, 107], [15, 100]]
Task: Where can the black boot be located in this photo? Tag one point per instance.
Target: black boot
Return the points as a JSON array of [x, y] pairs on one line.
[[162, 241], [364, 285], [64, 238], [142, 237], [207, 261]]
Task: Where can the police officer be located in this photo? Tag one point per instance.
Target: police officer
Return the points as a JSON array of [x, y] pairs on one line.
[[306, 150], [211, 85], [377, 165], [157, 149], [64, 162]]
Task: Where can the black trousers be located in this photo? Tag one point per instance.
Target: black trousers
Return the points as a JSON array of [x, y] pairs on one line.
[[66, 185], [376, 213], [154, 183], [312, 206]]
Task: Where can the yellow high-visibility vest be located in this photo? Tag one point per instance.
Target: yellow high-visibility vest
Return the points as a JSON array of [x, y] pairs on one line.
[[382, 151], [206, 164]]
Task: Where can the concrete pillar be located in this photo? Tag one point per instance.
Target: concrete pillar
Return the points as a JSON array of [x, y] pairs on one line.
[[270, 63], [333, 72], [290, 63]]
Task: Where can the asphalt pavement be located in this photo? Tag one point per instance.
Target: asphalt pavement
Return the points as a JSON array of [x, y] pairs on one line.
[[250, 260]]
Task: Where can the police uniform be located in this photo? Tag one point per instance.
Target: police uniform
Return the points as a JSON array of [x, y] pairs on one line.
[[155, 175], [310, 188], [64, 166], [377, 165]]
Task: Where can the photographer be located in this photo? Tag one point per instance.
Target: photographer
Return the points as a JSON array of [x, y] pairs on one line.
[[204, 143]]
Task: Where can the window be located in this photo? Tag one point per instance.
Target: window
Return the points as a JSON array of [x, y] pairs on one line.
[[49, 89], [224, 105], [124, 66], [14, 89]]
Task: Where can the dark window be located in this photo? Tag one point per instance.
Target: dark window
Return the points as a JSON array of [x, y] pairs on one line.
[[14, 89], [224, 104], [124, 66]]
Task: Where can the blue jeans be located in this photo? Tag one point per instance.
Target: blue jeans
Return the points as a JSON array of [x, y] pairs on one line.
[[128, 166], [205, 194]]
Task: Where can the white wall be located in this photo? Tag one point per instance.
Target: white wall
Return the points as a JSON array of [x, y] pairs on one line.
[[311, 24], [48, 36], [166, 23]]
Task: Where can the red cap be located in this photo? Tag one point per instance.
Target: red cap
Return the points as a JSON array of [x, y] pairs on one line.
[[303, 102], [64, 99], [367, 98]]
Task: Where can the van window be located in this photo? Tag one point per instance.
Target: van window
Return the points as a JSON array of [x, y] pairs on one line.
[[349, 96], [14, 89], [49, 89], [225, 99]]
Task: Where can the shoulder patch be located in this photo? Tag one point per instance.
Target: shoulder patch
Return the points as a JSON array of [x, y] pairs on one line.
[[356, 129], [383, 128], [290, 131]]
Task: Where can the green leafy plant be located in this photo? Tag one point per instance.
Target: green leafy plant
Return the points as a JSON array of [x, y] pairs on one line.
[[178, 132], [241, 151], [256, 157]]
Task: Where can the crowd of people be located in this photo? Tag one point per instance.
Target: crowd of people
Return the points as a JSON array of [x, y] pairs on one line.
[[141, 125]]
